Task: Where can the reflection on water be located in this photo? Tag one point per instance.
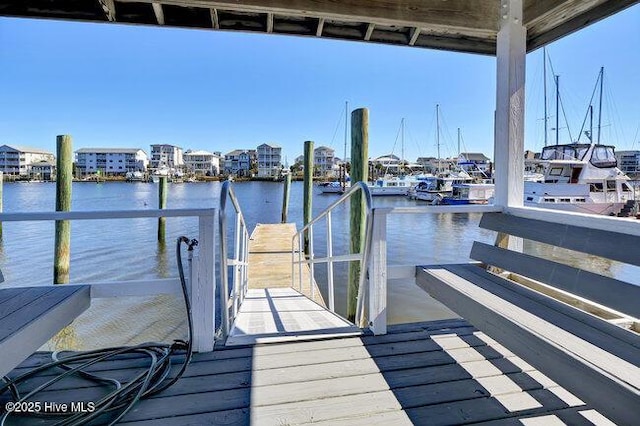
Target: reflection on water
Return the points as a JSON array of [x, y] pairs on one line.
[[127, 249]]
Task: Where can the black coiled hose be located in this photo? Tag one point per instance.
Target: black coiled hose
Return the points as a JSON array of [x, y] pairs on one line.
[[113, 406]]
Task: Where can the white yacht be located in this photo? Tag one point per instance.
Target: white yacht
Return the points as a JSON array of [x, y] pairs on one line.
[[581, 178], [434, 188], [396, 185]]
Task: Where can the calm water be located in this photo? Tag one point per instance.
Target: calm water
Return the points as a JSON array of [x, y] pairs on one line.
[[126, 249]]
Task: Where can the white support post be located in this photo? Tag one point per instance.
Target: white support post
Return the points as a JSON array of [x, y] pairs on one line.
[[330, 289], [509, 134], [378, 274], [203, 287], [311, 267]]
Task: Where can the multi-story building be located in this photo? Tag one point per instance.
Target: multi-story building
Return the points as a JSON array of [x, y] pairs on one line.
[[238, 162], [324, 161], [15, 159], [435, 165], [42, 170], [113, 161], [165, 155], [269, 160], [629, 163], [202, 163]]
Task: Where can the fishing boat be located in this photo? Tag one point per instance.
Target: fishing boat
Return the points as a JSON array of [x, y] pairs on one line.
[[433, 189], [470, 193]]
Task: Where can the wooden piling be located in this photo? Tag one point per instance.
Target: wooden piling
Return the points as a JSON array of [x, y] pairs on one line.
[[162, 204], [359, 172], [308, 189], [285, 197], [64, 177], [1, 184]]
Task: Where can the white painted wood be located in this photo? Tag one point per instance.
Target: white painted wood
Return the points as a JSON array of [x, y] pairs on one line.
[[582, 351], [135, 288], [320, 27], [509, 134], [596, 418], [413, 36], [604, 223], [370, 29], [330, 289], [157, 10], [269, 23], [480, 208], [378, 275], [215, 22], [203, 288], [103, 214]]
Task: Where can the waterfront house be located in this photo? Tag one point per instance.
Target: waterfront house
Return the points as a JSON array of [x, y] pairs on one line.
[[42, 170], [15, 159], [165, 155], [324, 161], [202, 163], [111, 161], [239, 162], [269, 160]]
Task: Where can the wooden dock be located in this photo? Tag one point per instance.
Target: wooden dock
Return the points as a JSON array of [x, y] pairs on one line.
[[273, 311], [436, 373]]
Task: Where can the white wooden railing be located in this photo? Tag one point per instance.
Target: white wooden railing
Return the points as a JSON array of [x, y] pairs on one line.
[[201, 283], [239, 262], [298, 259]]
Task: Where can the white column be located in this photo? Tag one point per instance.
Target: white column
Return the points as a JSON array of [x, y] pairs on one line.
[[509, 133], [378, 274]]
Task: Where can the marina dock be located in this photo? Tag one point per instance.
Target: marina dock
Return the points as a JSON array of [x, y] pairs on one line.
[[272, 310]]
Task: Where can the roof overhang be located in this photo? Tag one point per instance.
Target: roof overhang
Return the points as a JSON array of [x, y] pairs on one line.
[[457, 25]]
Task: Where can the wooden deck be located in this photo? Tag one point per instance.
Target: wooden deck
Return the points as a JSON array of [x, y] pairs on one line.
[[436, 373], [270, 260]]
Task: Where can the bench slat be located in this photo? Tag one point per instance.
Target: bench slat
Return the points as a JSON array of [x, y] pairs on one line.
[[30, 326], [609, 383], [615, 294], [611, 245]]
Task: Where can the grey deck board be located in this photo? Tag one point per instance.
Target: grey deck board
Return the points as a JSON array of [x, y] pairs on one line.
[[611, 245], [402, 377], [610, 292]]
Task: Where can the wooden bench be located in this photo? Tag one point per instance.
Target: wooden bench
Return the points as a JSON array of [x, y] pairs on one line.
[[30, 316], [589, 356]]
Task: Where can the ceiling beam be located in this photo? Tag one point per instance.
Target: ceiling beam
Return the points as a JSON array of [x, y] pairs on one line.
[[109, 8], [370, 29], [157, 10], [413, 36], [269, 22], [215, 22], [320, 27]]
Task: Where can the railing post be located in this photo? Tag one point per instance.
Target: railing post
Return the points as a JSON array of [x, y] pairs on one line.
[[308, 189], [378, 274], [312, 288], [203, 286], [330, 264]]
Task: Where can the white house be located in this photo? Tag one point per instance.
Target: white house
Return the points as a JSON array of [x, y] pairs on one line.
[[114, 161], [324, 161], [202, 162], [15, 159], [165, 155], [239, 161], [269, 160]]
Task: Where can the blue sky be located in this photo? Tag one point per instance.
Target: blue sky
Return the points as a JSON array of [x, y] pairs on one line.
[[127, 86]]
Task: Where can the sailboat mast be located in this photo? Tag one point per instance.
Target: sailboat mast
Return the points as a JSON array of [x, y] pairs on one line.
[[590, 123], [544, 72], [344, 158], [402, 141], [557, 109], [458, 141], [600, 107], [438, 134]]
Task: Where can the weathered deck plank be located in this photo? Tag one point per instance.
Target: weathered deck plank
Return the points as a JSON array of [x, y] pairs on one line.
[[441, 372]]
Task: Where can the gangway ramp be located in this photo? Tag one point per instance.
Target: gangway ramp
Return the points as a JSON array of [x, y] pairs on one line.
[[272, 310]]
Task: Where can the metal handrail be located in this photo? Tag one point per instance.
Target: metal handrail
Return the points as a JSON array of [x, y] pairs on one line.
[[311, 260], [239, 261]]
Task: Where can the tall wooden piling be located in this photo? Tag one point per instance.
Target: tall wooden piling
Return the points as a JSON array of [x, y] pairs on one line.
[[64, 178], [162, 204], [308, 189], [285, 197], [359, 172], [1, 184]]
